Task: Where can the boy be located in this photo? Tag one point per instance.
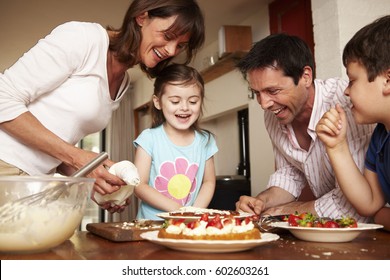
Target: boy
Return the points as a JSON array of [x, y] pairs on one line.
[[367, 60]]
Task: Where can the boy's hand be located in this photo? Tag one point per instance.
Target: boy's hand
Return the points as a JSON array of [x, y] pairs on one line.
[[332, 127]]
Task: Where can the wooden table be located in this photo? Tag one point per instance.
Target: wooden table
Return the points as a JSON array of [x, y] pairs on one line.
[[369, 245]]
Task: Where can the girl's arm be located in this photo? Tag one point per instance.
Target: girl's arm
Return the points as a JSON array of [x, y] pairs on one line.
[[143, 191], [208, 185]]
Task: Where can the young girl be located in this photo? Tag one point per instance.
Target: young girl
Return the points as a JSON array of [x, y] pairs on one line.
[[175, 157]]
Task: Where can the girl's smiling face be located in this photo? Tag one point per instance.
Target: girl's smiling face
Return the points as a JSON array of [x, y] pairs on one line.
[[157, 43], [180, 104]]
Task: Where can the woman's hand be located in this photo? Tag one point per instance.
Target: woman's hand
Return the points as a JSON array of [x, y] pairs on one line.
[[112, 208], [105, 182]]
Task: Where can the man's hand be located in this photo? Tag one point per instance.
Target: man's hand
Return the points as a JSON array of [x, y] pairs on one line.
[[250, 205]]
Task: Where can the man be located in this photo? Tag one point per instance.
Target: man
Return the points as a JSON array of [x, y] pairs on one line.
[[280, 72]]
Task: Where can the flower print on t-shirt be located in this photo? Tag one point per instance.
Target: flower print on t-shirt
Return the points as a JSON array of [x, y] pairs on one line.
[[177, 180]]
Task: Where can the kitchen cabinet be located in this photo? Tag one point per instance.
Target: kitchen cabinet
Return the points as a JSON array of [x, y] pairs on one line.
[[222, 66]]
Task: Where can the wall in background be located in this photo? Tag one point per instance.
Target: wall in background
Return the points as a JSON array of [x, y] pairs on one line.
[[24, 22], [335, 22]]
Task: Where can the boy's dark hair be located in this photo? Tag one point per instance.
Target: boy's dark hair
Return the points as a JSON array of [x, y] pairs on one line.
[[370, 46], [280, 51]]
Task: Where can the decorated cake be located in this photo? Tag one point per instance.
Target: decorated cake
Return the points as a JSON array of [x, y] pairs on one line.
[[211, 228]]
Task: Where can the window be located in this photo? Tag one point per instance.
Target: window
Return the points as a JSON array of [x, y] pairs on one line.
[[94, 142]]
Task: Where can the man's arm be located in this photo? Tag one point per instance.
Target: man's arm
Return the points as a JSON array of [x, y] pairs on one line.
[[269, 198], [291, 207]]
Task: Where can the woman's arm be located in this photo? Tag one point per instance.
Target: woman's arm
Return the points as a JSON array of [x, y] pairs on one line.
[[208, 185], [31, 132], [40, 70]]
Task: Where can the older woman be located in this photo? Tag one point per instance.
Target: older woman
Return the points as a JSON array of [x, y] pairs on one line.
[[70, 82]]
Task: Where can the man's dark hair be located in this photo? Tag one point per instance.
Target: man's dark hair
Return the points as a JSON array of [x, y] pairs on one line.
[[280, 51]]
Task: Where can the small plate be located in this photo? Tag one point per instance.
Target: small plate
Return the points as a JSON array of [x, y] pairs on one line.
[[167, 216], [209, 246], [326, 234]]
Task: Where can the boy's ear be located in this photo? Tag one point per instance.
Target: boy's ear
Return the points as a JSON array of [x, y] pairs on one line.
[[156, 102], [386, 89]]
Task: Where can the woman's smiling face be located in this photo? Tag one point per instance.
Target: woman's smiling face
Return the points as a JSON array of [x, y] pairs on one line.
[[157, 43]]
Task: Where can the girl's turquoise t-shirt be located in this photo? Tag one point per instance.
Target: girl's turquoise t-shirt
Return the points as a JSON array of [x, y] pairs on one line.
[[176, 171]]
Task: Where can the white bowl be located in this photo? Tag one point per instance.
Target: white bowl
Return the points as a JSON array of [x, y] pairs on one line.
[[326, 234]]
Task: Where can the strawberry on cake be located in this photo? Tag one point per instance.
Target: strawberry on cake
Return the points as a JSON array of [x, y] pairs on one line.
[[215, 228]]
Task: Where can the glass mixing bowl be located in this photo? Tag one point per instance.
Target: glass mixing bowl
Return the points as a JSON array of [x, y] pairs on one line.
[[44, 224]]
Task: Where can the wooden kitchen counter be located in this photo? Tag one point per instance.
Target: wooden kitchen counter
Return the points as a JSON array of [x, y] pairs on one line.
[[373, 244]]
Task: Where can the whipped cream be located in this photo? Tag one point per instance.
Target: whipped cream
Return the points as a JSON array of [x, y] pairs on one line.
[[243, 227], [174, 229], [39, 228], [198, 231]]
